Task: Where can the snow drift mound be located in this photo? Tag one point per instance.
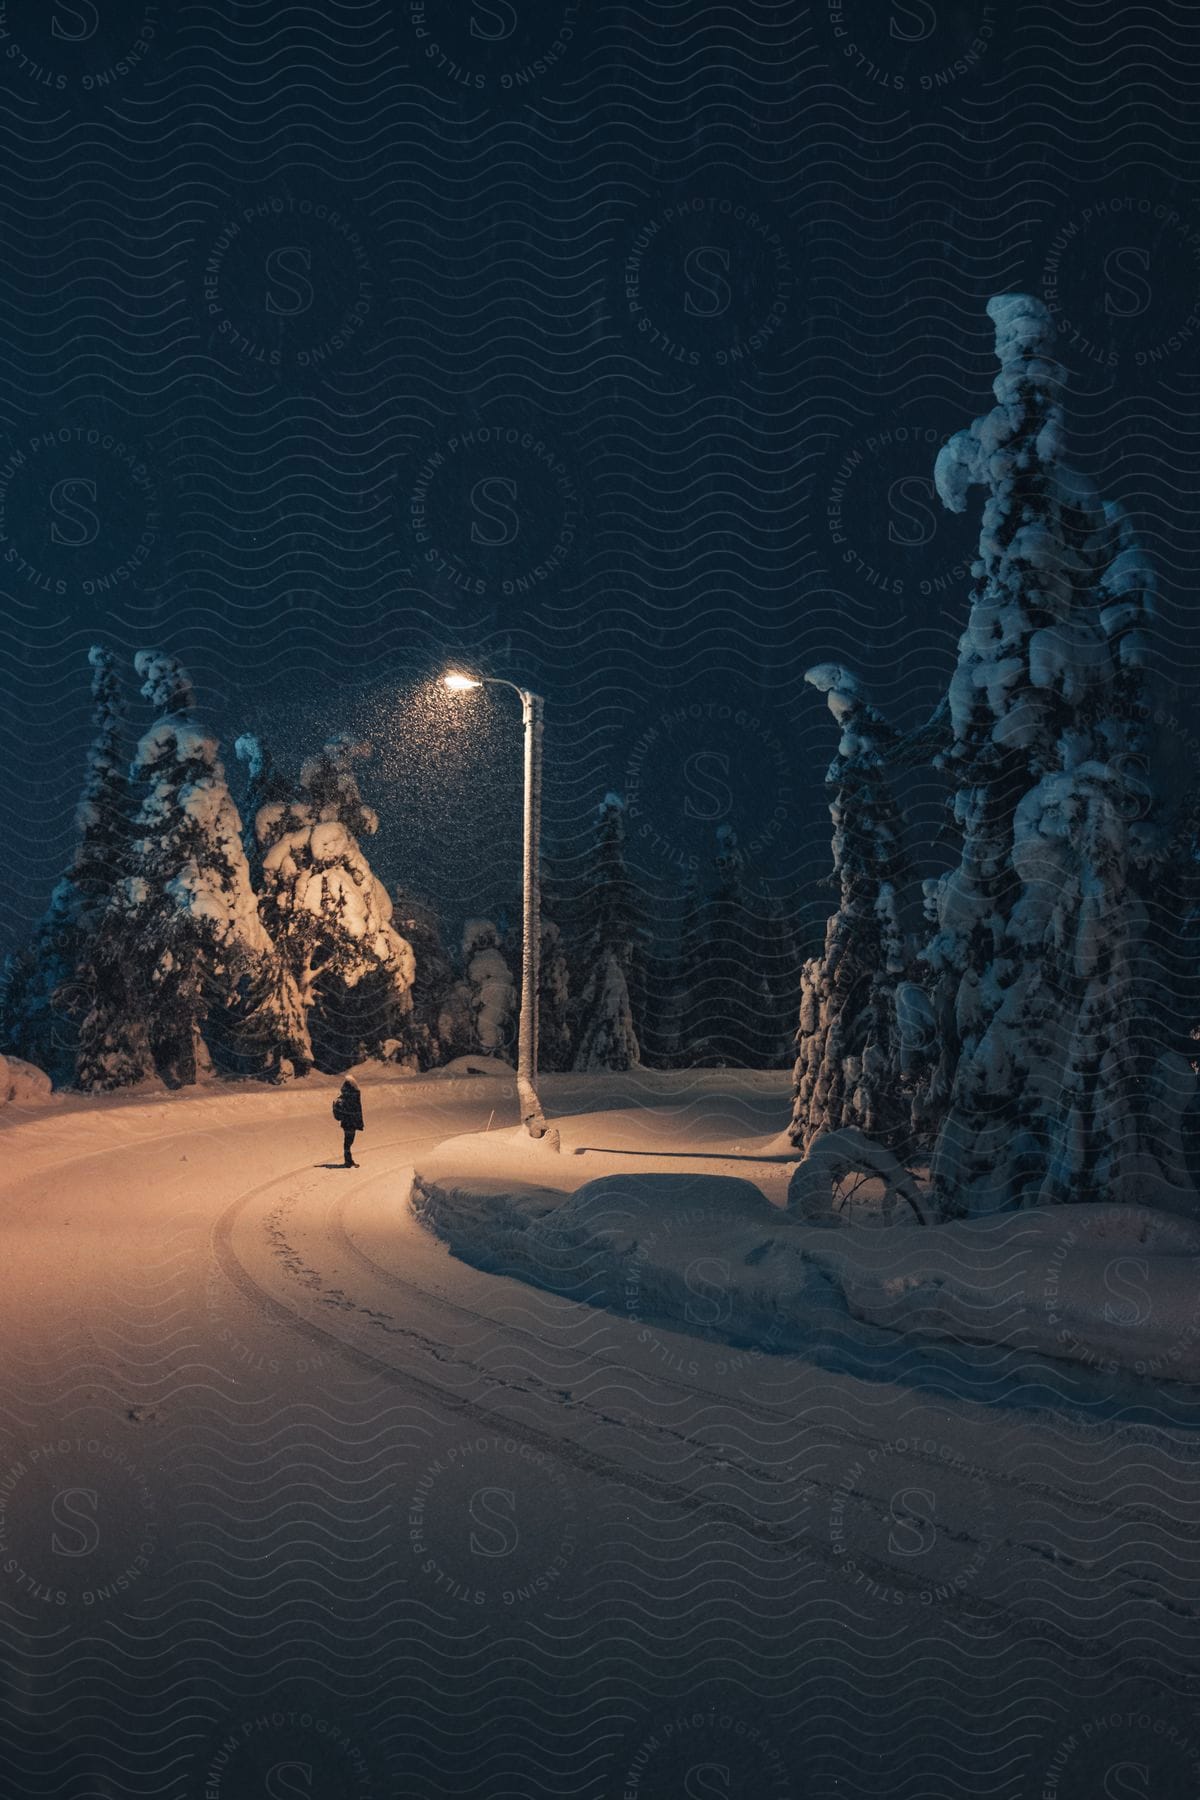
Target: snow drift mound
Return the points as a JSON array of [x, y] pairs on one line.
[[477, 1065], [22, 1084], [658, 1245], [1112, 1287], [665, 1199], [1116, 1288]]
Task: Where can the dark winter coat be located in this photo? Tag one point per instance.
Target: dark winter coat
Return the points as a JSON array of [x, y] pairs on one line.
[[348, 1109]]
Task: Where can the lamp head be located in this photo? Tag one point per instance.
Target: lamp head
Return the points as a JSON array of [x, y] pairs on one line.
[[458, 683]]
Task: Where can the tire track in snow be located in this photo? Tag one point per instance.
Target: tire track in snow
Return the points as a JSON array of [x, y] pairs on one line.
[[852, 1443]]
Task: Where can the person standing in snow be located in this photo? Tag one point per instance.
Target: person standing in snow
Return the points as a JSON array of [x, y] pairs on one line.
[[347, 1110]]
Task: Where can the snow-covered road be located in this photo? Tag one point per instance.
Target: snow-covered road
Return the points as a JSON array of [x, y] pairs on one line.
[[293, 1502]]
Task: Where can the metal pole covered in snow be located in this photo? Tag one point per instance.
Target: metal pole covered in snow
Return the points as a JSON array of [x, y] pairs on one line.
[[532, 1116]]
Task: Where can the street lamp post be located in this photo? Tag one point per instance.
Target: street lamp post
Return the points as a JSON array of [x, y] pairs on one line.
[[532, 1116]]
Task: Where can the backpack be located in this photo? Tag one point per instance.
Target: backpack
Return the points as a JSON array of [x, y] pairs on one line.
[[337, 1110]]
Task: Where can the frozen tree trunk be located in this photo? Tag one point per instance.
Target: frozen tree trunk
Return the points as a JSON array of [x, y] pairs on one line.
[[532, 1116]]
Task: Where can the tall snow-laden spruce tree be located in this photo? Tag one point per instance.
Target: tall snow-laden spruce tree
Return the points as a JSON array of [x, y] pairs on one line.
[[554, 1001], [737, 1003], [456, 1022], [16, 977], [491, 993], [660, 1034], [185, 910], [607, 1039], [609, 950], [668, 975], [718, 970], [330, 918], [848, 1050], [1051, 1083], [778, 953], [266, 785], [66, 980], [265, 1025], [433, 976], [112, 1048]]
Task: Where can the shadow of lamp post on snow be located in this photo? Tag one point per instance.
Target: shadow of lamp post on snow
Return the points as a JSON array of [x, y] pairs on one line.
[[532, 710]]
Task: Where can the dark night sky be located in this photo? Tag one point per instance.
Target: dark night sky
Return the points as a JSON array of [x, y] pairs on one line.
[[608, 345]]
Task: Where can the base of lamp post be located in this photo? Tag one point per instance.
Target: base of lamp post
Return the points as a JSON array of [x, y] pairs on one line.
[[532, 1116]]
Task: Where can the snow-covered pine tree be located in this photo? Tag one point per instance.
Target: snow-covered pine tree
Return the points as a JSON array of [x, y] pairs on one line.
[[736, 983], [662, 995], [266, 785], [185, 910], [1052, 1081], [16, 982], [554, 1001], [76, 1019], [456, 1022], [273, 1013], [607, 1038], [433, 978], [491, 990], [330, 918], [848, 1052], [669, 972], [720, 976], [112, 1048], [264, 1025], [778, 958], [609, 949]]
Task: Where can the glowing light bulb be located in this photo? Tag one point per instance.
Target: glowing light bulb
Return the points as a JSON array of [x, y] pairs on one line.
[[458, 683]]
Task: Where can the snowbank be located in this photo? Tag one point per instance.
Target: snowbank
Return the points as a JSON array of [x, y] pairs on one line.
[[1115, 1287], [669, 1246], [1112, 1287], [476, 1065], [21, 1084]]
